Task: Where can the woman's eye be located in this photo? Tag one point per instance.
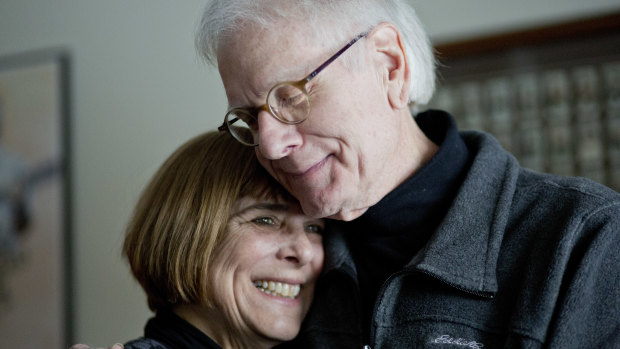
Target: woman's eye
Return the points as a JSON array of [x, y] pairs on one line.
[[264, 220], [314, 228]]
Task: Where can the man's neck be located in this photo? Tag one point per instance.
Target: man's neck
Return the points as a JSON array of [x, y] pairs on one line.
[[417, 150], [413, 150]]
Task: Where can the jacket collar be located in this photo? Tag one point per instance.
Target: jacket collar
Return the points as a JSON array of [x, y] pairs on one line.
[[464, 250]]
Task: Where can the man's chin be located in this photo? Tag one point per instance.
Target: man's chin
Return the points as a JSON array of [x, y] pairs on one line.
[[310, 208], [313, 207], [347, 215], [314, 211]]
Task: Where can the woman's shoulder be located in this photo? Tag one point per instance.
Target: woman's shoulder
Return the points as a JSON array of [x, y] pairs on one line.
[[144, 343]]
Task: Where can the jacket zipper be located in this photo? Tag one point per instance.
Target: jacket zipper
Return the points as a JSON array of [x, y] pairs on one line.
[[487, 295], [371, 334]]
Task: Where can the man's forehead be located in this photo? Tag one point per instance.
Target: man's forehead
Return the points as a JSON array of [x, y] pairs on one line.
[[251, 62]]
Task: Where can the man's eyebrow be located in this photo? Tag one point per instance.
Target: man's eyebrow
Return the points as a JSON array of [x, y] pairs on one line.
[[260, 91], [256, 92]]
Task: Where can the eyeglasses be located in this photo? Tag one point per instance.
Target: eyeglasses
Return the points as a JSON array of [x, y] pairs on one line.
[[287, 102]]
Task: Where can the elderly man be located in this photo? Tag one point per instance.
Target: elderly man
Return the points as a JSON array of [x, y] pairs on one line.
[[448, 242], [440, 238]]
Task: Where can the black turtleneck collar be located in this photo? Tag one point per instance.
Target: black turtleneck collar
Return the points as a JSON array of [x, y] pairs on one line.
[[176, 333], [391, 232], [430, 190]]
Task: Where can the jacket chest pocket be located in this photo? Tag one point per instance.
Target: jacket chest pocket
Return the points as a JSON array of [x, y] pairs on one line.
[[416, 312], [433, 333]]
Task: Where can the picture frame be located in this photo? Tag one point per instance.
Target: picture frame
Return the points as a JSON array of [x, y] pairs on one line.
[[35, 200]]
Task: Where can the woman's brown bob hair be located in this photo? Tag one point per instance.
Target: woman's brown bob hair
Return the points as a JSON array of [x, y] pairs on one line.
[[182, 215]]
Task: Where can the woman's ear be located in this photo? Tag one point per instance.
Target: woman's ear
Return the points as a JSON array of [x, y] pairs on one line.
[[391, 57]]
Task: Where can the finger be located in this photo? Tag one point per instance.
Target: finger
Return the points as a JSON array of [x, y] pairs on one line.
[[117, 346], [79, 346]]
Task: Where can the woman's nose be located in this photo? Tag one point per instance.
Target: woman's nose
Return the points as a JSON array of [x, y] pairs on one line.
[[275, 138], [297, 248]]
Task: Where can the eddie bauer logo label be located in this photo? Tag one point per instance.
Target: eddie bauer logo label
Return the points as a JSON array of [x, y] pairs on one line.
[[446, 339]]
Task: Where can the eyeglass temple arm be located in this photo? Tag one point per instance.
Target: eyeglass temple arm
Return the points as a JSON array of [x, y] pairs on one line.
[[224, 127], [336, 55]]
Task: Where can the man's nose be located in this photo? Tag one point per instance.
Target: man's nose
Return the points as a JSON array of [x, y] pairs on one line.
[[297, 248], [275, 138]]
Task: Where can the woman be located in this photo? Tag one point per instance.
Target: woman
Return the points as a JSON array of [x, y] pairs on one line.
[[224, 254]]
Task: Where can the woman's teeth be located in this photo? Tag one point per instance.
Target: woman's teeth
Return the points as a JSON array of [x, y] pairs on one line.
[[278, 288]]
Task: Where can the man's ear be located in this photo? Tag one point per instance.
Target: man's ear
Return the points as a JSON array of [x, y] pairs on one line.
[[391, 58]]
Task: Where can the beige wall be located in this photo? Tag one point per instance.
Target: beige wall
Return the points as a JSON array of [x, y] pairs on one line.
[[139, 91]]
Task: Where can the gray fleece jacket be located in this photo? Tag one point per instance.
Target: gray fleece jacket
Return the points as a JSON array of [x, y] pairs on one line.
[[521, 260]]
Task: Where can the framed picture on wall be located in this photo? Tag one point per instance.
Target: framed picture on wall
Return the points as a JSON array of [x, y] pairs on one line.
[[34, 200]]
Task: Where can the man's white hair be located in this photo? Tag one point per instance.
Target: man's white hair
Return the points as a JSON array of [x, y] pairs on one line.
[[331, 21]]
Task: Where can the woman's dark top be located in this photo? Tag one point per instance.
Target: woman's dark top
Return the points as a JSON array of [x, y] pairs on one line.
[[168, 331]]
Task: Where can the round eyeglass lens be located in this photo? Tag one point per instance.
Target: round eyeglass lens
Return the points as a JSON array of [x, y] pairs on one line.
[[242, 125], [289, 103]]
